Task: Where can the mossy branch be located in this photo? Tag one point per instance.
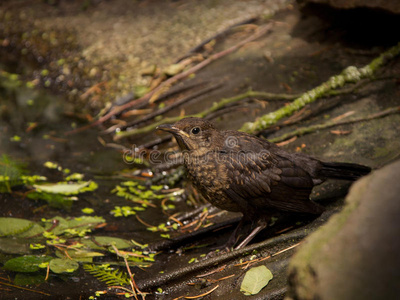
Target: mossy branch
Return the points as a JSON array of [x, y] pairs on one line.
[[349, 75], [305, 130]]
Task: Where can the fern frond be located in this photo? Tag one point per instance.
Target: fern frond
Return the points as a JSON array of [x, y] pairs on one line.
[[106, 274]]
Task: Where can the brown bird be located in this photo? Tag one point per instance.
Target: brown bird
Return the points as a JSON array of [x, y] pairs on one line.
[[239, 172]]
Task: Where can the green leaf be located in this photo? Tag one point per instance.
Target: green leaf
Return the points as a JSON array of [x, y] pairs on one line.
[[14, 226], [61, 225], [87, 210], [51, 165], [85, 222], [26, 264], [64, 188], [78, 226], [35, 230], [75, 176], [78, 254], [255, 279], [63, 265], [36, 246], [107, 241]]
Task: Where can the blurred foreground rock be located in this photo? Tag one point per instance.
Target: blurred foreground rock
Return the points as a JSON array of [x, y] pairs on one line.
[[356, 254]]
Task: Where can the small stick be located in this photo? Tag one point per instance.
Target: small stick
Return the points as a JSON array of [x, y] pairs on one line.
[[220, 279], [23, 288], [198, 296], [170, 107], [212, 272], [217, 36]]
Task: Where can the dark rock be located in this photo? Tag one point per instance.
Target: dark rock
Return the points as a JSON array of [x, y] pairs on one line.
[[388, 5], [356, 254]]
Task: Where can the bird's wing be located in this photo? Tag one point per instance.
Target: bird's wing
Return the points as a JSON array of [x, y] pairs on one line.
[[262, 180]]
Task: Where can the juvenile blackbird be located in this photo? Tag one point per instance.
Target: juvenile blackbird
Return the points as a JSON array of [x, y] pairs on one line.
[[239, 172]]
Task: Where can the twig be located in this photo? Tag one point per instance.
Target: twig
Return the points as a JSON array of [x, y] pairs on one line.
[[135, 290], [47, 272], [305, 130], [350, 74], [198, 296], [220, 279], [212, 272], [143, 222], [175, 90], [172, 106], [216, 36], [252, 262], [286, 249], [23, 288]]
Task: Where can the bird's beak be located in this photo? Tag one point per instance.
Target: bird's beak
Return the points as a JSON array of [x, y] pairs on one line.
[[172, 129]]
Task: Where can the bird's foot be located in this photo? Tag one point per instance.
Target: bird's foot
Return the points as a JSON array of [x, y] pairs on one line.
[[260, 225]]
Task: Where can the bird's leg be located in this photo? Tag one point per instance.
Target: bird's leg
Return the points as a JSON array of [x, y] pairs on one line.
[[234, 236], [261, 224]]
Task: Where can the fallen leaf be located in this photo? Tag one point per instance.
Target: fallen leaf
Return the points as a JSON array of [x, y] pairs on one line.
[[63, 265], [255, 280]]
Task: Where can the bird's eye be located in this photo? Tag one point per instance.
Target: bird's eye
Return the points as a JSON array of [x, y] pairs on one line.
[[195, 130]]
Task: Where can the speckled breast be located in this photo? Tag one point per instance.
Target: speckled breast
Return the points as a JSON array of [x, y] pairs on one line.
[[209, 177]]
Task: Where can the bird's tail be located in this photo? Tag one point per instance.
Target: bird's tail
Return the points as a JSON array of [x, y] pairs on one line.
[[345, 171]]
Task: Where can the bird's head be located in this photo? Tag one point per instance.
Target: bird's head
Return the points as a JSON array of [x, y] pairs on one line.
[[192, 133]]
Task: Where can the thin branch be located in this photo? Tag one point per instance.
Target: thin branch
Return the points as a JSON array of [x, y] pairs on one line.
[[305, 130], [23, 288], [217, 36], [202, 295], [172, 106]]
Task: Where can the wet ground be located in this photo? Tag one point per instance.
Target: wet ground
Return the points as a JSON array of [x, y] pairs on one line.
[[300, 52]]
